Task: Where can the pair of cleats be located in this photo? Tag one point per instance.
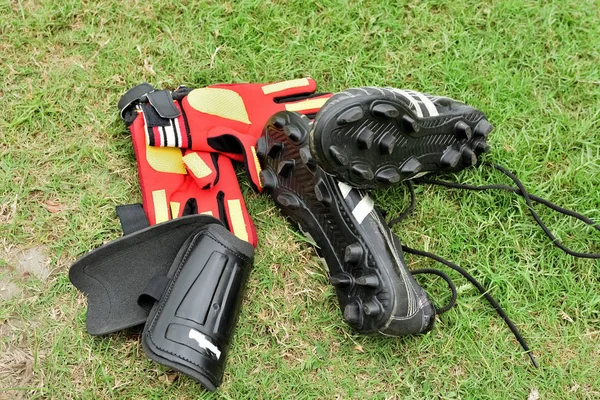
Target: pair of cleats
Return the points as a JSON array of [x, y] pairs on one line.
[[366, 138]]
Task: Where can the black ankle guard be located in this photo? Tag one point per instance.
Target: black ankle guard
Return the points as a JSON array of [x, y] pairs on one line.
[[197, 304]]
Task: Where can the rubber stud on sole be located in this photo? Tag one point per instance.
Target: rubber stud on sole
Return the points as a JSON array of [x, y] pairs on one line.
[[481, 146], [353, 253], [365, 139], [322, 192], [352, 313], [411, 166], [385, 110], [279, 121], [275, 149], [370, 280], [462, 130], [306, 157], [386, 144], [261, 147], [388, 175], [371, 308], [341, 280], [338, 155], [468, 157], [450, 158], [483, 128], [362, 171], [351, 115], [286, 168], [305, 118], [288, 200], [293, 133], [268, 179], [409, 124]]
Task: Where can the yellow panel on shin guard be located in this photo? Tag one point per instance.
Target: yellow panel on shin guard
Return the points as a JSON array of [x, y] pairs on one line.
[[165, 159], [309, 104], [161, 212], [236, 219], [281, 86], [223, 103], [197, 165]]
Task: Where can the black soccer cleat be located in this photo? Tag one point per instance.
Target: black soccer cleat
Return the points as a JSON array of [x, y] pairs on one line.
[[376, 292], [374, 137]]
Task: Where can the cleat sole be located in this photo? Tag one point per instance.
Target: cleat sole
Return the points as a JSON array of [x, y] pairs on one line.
[[375, 128]]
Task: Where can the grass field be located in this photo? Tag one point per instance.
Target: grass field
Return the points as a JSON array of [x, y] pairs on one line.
[[66, 161]]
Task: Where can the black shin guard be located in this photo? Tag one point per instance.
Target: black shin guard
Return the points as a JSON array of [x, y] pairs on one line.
[[197, 305], [113, 276], [185, 278]]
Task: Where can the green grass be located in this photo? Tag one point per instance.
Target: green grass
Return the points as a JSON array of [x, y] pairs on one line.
[[533, 67]]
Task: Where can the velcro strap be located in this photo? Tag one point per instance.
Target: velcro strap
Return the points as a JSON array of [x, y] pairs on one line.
[[162, 101], [152, 117], [132, 218], [134, 94]]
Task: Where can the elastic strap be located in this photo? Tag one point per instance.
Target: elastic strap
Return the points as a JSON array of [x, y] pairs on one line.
[[153, 291], [132, 218]]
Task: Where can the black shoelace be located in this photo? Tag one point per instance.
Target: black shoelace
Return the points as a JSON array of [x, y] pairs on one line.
[[529, 199]]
